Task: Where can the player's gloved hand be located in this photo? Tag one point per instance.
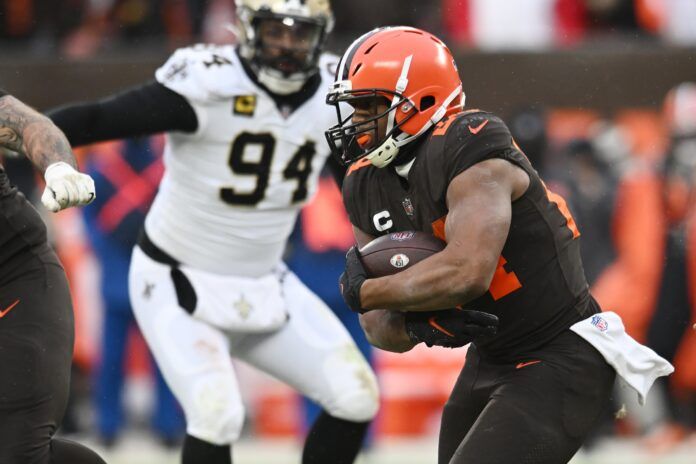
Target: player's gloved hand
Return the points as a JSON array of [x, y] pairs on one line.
[[352, 279], [66, 187], [450, 328]]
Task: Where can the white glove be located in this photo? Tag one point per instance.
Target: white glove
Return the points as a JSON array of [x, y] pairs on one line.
[[66, 187]]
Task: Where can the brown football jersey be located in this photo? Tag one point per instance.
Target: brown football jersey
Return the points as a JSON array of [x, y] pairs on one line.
[[21, 227], [539, 287]]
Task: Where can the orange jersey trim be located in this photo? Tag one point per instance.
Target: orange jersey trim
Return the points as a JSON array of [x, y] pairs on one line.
[[503, 282], [361, 163]]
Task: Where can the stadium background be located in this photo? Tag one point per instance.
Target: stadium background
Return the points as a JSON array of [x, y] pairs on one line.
[[583, 85]]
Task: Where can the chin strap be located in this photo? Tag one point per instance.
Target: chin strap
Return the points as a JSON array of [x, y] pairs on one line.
[[388, 150], [280, 85]]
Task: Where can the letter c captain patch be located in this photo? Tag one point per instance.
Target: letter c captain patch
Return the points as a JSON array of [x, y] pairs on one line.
[[245, 105]]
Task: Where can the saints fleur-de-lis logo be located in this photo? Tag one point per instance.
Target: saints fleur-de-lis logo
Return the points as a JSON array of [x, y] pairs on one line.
[[243, 307], [147, 291]]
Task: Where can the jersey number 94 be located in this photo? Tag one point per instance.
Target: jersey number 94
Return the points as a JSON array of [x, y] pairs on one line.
[[299, 168]]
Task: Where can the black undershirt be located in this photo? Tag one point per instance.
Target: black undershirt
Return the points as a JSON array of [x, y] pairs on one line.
[[145, 110]]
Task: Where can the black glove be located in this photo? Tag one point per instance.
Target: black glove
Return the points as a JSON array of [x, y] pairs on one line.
[[450, 328], [352, 279]]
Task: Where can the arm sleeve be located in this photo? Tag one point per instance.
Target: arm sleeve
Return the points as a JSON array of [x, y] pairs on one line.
[[145, 110]]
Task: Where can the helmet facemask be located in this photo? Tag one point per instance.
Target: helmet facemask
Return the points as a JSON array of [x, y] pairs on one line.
[[377, 134], [282, 49]]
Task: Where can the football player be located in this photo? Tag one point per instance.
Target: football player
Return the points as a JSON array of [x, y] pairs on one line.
[[243, 153], [36, 318], [417, 160]]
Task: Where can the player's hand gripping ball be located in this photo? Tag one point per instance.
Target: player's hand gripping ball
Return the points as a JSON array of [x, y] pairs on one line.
[[384, 256], [397, 252]]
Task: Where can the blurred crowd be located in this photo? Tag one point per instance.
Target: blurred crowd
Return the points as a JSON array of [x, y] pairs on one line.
[[630, 183], [83, 28]]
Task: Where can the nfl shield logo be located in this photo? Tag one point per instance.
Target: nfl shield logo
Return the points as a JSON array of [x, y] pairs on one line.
[[408, 206], [600, 323]]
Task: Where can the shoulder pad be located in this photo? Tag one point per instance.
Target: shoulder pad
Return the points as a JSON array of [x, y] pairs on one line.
[[471, 127], [201, 72], [465, 123], [464, 139]]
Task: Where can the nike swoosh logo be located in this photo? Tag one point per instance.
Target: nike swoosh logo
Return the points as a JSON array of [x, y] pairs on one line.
[[525, 364], [8, 309], [477, 129], [437, 326]]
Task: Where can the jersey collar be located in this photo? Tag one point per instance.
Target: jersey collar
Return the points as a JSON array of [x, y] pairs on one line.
[[404, 169]]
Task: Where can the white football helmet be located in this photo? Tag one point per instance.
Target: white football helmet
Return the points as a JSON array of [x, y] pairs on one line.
[[282, 39]]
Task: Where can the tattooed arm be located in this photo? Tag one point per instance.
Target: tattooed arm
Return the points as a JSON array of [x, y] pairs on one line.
[[26, 131]]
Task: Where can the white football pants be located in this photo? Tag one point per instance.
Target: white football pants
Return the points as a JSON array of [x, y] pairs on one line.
[[312, 353]]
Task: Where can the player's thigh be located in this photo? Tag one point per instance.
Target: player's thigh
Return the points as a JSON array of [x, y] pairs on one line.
[[36, 344], [541, 413], [462, 408], [192, 356], [314, 354], [25, 438]]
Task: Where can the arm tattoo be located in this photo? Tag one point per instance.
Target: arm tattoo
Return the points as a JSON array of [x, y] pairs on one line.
[[24, 130]]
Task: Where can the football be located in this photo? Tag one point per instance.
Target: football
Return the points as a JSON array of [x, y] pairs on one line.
[[398, 251]]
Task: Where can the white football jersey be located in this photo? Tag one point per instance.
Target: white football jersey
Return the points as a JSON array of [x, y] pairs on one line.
[[231, 191]]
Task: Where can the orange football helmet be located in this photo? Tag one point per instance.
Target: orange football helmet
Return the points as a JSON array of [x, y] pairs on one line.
[[413, 70]]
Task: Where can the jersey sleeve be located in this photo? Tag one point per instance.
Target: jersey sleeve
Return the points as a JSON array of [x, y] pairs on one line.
[[470, 139], [199, 73]]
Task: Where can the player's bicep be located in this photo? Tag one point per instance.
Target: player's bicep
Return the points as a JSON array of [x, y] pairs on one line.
[[479, 200], [362, 238]]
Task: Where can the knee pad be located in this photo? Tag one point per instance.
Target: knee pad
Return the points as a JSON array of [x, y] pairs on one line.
[[214, 412], [357, 402]]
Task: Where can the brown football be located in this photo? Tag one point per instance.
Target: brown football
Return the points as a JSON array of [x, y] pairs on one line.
[[398, 251]]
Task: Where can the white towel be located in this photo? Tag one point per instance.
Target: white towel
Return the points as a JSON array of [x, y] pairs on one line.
[[637, 364]]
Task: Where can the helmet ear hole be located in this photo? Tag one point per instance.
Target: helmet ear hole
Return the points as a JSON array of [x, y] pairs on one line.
[[426, 102]]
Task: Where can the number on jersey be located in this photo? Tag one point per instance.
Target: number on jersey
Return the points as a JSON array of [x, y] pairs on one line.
[[299, 167]]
